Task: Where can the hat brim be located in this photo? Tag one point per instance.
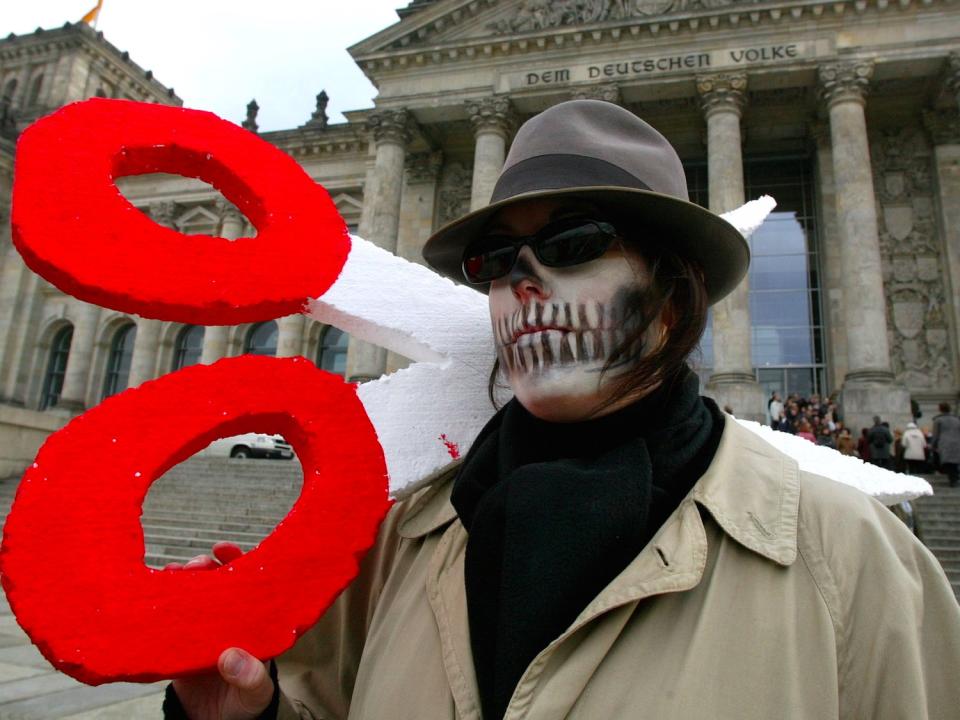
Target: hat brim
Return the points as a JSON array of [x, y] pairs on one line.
[[683, 227]]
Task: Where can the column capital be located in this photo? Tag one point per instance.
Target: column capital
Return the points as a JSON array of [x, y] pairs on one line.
[[608, 92], [845, 81], [228, 211], [391, 126], [424, 167], [491, 114], [725, 92], [163, 213], [943, 126]]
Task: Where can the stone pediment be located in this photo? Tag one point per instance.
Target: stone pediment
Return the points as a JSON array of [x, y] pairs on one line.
[[454, 22]]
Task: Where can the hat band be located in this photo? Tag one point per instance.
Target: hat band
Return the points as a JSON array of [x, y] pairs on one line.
[[560, 171]]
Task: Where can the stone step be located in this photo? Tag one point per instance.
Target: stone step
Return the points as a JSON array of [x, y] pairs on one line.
[[179, 521], [152, 531]]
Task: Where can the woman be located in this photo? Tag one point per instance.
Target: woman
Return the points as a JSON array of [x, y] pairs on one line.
[[914, 449], [612, 545], [845, 443]]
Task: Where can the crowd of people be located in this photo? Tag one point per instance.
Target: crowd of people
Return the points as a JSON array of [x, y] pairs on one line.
[[911, 449]]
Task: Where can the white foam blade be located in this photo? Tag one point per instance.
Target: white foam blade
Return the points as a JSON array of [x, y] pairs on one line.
[[429, 413], [886, 486], [748, 217]]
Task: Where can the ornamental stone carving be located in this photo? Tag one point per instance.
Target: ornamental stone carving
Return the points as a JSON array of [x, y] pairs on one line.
[[722, 92], [492, 114], [453, 196], [163, 213], [608, 92], [943, 126], [424, 167], [845, 81], [953, 72], [534, 15], [912, 258], [394, 126]]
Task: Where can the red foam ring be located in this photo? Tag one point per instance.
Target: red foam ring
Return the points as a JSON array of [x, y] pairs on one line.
[[72, 558], [74, 227]]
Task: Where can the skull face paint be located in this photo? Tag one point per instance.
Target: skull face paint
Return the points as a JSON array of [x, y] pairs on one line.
[[556, 328]]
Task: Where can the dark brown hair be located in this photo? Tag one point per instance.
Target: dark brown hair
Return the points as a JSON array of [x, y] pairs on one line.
[[677, 295]]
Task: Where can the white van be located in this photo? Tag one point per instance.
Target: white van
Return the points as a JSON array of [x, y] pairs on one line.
[[250, 445]]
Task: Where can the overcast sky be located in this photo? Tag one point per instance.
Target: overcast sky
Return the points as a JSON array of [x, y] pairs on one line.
[[218, 54]]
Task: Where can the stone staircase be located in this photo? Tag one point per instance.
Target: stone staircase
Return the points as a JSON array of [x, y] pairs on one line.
[[938, 520], [206, 500]]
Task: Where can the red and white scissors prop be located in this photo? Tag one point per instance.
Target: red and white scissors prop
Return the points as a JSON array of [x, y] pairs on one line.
[[74, 530]]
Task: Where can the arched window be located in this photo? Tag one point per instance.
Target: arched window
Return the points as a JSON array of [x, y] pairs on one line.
[[262, 339], [188, 347], [333, 351], [10, 89], [118, 364], [34, 96], [56, 367]]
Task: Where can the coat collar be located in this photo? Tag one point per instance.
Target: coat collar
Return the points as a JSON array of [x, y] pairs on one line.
[[750, 488]]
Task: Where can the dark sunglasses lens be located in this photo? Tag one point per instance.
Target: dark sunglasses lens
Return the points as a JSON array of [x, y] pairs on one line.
[[488, 265], [573, 246]]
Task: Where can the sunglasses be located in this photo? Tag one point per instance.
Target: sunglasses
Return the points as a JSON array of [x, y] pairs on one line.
[[560, 244]]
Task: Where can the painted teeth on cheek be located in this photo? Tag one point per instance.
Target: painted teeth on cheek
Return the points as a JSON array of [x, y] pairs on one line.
[[568, 348], [546, 342], [582, 321], [567, 316], [588, 345], [556, 347], [531, 315], [593, 319]]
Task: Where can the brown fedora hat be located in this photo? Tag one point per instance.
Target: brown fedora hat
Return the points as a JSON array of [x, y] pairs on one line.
[[603, 152]]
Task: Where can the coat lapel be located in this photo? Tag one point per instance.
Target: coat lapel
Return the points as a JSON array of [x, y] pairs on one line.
[[447, 594]]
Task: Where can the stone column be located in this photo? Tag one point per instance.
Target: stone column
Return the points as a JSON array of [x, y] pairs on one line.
[[835, 310], [290, 335], [493, 120], [608, 92], [74, 392], [723, 97], [391, 131], [146, 345], [215, 336], [869, 387], [944, 130]]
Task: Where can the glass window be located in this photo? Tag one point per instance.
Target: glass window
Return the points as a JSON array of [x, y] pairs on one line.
[[35, 88], [333, 351], [56, 368], [189, 347], [262, 339], [118, 364], [787, 333], [10, 89]]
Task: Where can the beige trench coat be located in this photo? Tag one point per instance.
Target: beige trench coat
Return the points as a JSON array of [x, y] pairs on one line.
[[769, 593]]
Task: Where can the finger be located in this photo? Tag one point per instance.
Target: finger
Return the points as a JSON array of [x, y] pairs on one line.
[[226, 552], [249, 676], [201, 562]]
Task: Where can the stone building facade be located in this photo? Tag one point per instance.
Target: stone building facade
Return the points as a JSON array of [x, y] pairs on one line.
[[845, 110]]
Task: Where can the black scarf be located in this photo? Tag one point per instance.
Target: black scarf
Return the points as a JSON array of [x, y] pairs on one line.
[[556, 511]]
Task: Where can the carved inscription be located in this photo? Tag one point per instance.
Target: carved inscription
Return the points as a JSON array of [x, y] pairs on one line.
[[627, 68]]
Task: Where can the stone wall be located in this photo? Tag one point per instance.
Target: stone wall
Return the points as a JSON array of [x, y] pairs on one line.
[[922, 345]]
